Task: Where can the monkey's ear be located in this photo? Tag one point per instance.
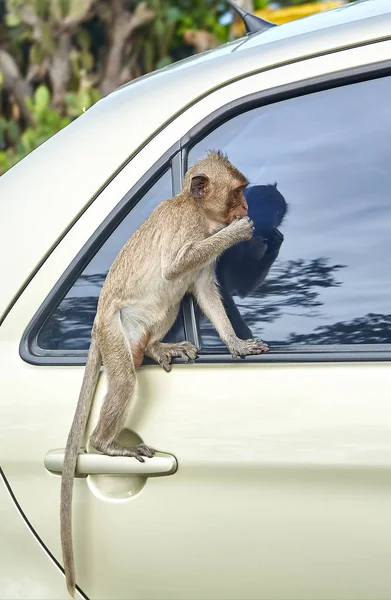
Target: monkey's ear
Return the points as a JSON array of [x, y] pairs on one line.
[[199, 186]]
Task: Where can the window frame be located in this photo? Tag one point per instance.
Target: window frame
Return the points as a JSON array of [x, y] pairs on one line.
[[29, 349], [280, 354], [176, 159]]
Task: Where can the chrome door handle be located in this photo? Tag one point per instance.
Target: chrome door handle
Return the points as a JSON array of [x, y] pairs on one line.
[[101, 464]]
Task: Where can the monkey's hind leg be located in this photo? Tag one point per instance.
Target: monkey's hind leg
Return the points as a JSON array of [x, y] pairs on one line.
[[162, 353], [119, 361]]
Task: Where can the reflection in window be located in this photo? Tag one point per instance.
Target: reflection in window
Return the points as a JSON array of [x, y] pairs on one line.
[[69, 325], [329, 153]]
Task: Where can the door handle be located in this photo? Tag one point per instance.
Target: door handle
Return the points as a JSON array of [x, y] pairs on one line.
[[101, 464]]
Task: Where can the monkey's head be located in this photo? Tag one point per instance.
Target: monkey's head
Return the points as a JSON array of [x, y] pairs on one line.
[[218, 186], [267, 207]]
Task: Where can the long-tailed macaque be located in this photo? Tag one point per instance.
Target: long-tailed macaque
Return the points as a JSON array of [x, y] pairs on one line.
[[173, 252]]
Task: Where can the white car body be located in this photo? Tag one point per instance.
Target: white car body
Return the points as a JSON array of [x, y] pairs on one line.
[[283, 484]]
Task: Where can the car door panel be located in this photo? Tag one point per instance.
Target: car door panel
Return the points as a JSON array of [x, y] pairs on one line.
[[26, 571], [283, 472]]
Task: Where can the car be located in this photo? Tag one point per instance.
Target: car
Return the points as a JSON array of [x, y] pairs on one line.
[[273, 479]]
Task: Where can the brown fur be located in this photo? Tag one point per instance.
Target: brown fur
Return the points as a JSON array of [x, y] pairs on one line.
[[171, 253]]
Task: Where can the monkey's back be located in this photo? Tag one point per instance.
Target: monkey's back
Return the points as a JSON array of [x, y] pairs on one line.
[[136, 276]]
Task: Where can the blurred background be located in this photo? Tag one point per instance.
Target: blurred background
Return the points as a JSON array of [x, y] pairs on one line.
[[58, 57]]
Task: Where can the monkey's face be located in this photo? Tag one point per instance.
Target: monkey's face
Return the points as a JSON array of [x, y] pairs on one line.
[[226, 201], [219, 187], [237, 203]]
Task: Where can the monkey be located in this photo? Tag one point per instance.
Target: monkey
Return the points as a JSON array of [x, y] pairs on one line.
[[242, 268], [172, 253]]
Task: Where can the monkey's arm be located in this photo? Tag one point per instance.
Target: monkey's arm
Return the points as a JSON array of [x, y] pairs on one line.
[[236, 319], [201, 253], [227, 271], [207, 295]]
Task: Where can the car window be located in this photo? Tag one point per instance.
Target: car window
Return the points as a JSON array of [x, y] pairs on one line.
[[69, 325], [329, 153]]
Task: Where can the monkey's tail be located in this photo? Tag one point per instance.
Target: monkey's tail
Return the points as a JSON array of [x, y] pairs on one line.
[[83, 408]]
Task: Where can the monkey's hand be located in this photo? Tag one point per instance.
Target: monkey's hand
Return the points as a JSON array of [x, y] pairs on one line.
[[247, 347], [241, 229]]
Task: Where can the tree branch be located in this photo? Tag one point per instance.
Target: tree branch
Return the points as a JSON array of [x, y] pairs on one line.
[[14, 83], [82, 11], [141, 16], [29, 17], [124, 24], [59, 70]]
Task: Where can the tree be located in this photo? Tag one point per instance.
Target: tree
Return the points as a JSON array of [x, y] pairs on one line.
[[65, 54], [59, 44]]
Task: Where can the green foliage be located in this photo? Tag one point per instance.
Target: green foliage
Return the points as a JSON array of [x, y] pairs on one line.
[[42, 39], [203, 14], [32, 29], [47, 122], [77, 102], [260, 4], [164, 43]]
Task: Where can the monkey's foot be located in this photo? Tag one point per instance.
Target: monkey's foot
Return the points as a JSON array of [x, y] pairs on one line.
[[162, 353], [247, 347], [114, 449]]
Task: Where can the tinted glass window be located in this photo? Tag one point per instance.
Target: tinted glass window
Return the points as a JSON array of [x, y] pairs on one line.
[[330, 154], [69, 326]]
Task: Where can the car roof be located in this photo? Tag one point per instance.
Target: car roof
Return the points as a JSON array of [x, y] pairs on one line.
[[341, 17], [49, 188]]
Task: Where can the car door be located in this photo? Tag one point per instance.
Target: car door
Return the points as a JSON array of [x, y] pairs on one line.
[[283, 479]]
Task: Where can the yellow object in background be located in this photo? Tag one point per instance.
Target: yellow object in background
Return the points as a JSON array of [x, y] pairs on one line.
[[289, 13]]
